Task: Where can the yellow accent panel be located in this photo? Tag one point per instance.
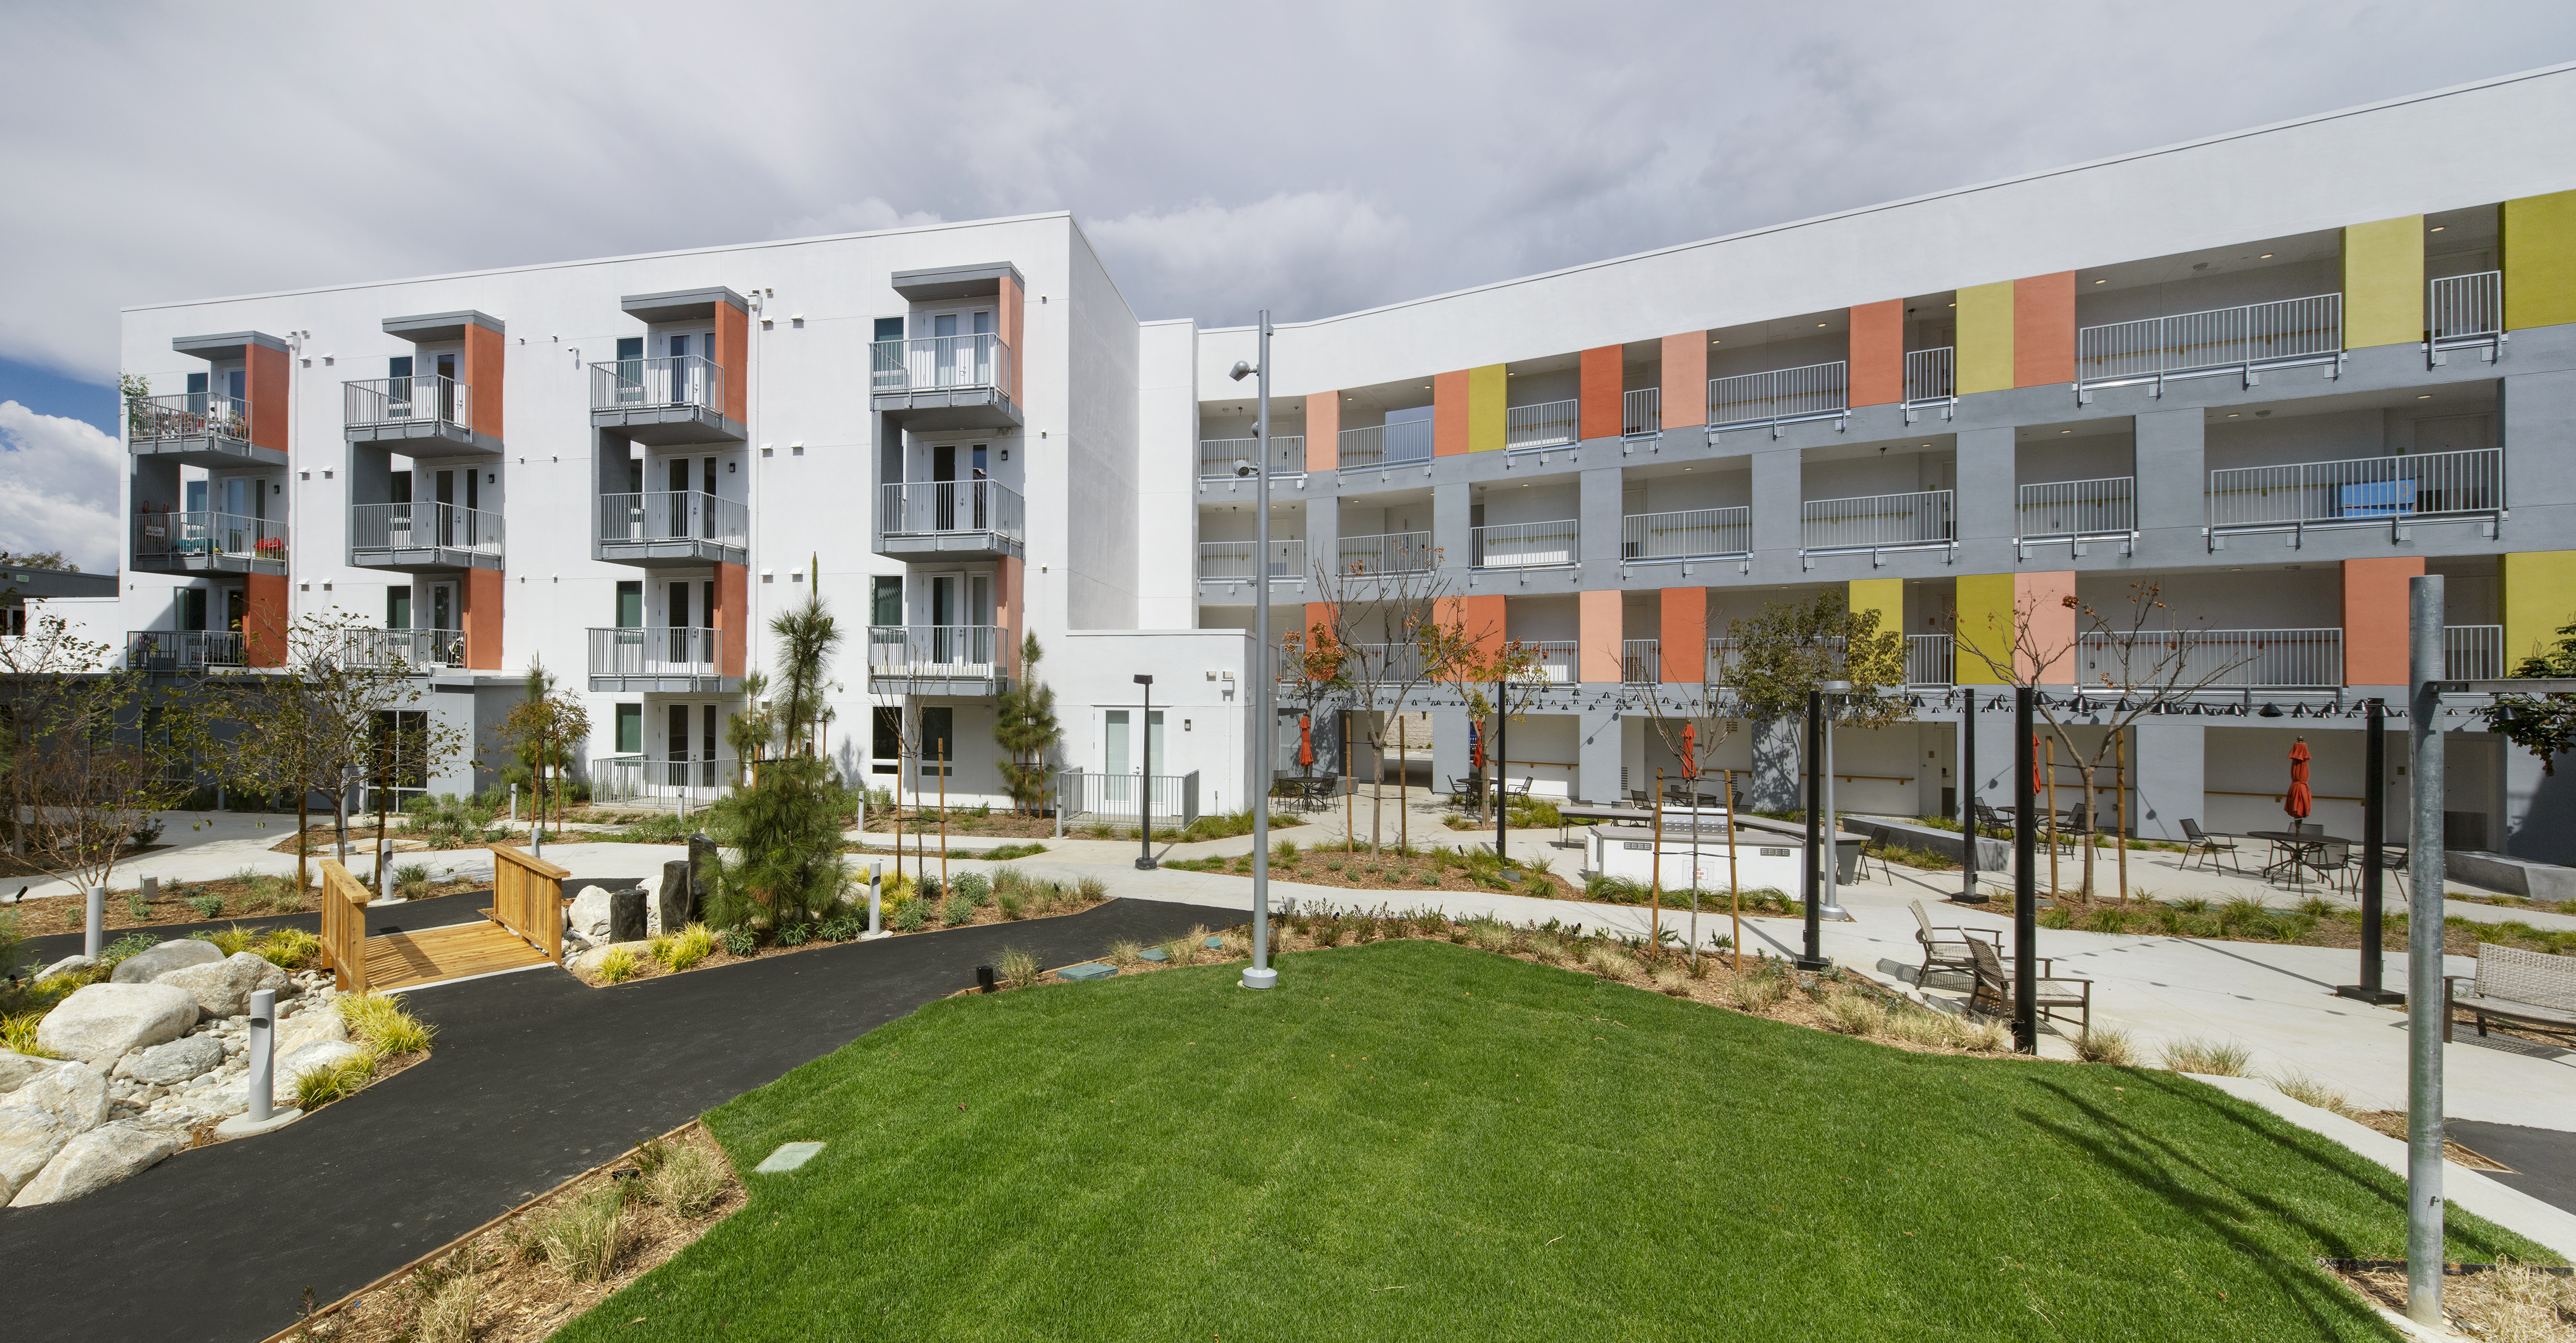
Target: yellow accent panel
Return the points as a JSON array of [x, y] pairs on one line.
[[1883, 595], [2383, 283], [2538, 597], [1985, 621], [1986, 337], [2538, 239], [1485, 408]]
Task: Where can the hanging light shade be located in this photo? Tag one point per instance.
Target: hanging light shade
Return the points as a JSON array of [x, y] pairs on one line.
[[2270, 710]]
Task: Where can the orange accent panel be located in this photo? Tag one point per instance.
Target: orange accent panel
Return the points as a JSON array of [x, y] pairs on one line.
[[1600, 405], [733, 355], [1685, 627], [1449, 413], [1685, 379], [264, 608], [483, 374], [1323, 430], [264, 382], [1600, 625], [483, 589], [2040, 598], [1878, 353], [2044, 329], [733, 614], [2374, 619], [1484, 619], [1010, 318], [1006, 593]]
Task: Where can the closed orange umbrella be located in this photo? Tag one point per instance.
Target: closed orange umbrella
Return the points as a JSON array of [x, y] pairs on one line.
[[1690, 750], [1305, 742], [2298, 803]]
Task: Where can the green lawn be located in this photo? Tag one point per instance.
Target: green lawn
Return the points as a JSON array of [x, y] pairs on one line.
[[1414, 1140]]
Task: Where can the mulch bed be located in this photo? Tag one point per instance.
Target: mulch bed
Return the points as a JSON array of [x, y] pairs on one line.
[[997, 825], [1364, 871], [241, 900], [648, 968]]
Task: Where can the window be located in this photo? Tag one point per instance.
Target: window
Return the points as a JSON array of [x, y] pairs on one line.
[[398, 607], [889, 328], [886, 748], [630, 729], [885, 601], [630, 608], [938, 741], [13, 620]]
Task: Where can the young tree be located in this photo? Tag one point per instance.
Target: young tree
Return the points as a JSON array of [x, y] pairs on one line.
[[1692, 721], [91, 752], [2544, 725], [544, 729], [1025, 727], [785, 829], [1492, 677], [1375, 677], [1788, 649], [751, 729]]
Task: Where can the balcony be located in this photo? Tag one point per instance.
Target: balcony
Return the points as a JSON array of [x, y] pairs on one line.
[[2473, 653], [1381, 446], [666, 529], [2075, 512], [1783, 396], [1388, 553], [943, 382], [1219, 457], [1878, 523], [197, 428], [1523, 545], [1931, 380], [1641, 661], [2391, 492], [2466, 312], [2216, 343], [674, 399], [1226, 568], [968, 660], [1929, 660], [418, 417], [1550, 424], [183, 650], [2183, 661], [202, 542], [659, 661], [407, 648], [423, 538], [949, 520], [1641, 413], [1552, 662], [638, 778], [1692, 534]]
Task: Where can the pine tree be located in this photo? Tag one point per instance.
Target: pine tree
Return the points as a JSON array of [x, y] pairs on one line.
[[785, 829], [1024, 726]]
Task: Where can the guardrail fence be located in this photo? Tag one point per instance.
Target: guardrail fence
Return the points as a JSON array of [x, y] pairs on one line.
[[938, 363], [186, 415], [1641, 661], [672, 515], [1550, 424], [1931, 376], [2466, 307], [173, 650], [2061, 509], [1388, 553], [2219, 340], [1815, 391], [1929, 659], [2473, 652], [927, 507], [1086, 798], [638, 778], [1698, 533], [941, 652], [654, 651], [476, 531], [1522, 545], [1641, 413], [672, 380], [1235, 560], [2470, 481], [207, 535], [1878, 521], [400, 401], [1218, 457], [2212, 659], [1406, 442]]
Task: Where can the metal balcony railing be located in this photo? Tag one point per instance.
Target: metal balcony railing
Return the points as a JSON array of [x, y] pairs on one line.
[[1692, 534], [2060, 510], [2358, 489], [1402, 443], [2466, 307], [1931, 376], [2212, 659], [950, 652], [1878, 521], [475, 531], [1088, 797], [1553, 662], [939, 364], [1641, 661], [1218, 457], [1522, 545], [1235, 560], [372, 402], [654, 651], [1641, 413], [167, 650], [1928, 659], [640, 778], [1390, 665], [1388, 553], [413, 648], [186, 415], [672, 515], [673, 380], [207, 536], [1784, 396], [929, 507], [2220, 340], [1550, 424], [2473, 652]]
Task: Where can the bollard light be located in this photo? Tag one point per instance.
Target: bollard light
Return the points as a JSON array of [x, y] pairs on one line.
[[876, 896], [263, 1050], [96, 928]]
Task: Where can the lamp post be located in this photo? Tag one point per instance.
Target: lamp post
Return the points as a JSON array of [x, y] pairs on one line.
[[1265, 688], [2025, 968], [2425, 1005], [1812, 956], [1145, 780], [2374, 829], [1833, 691], [1968, 893]]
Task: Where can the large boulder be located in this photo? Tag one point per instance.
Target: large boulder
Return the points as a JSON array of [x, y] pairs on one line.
[[94, 1160], [589, 914], [223, 989], [73, 1093], [314, 1057], [145, 966], [69, 965], [28, 1139], [310, 1027], [16, 1070], [179, 1061], [104, 1022]]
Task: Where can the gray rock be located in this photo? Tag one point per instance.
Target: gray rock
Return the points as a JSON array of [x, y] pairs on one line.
[[589, 914], [65, 966], [175, 1062], [103, 1022], [144, 967], [223, 989], [95, 1160], [16, 1070], [28, 1139], [311, 1058], [73, 1093], [308, 1028]]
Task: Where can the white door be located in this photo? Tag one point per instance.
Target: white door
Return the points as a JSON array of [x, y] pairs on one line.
[[947, 640]]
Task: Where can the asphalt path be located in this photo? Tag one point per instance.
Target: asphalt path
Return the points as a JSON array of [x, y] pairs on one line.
[[535, 1078], [2543, 1160]]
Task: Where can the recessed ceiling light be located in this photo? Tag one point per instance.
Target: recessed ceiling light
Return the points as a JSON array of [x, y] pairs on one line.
[[1954, 305], [2265, 257], [1819, 324], [2066, 431], [2439, 227], [2425, 397], [2101, 282], [2231, 414]]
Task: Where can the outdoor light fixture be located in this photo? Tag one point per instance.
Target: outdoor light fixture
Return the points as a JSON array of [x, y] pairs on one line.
[[2270, 711], [1259, 975], [1145, 781]]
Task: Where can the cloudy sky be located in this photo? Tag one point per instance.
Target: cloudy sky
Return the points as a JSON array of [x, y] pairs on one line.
[[1328, 158]]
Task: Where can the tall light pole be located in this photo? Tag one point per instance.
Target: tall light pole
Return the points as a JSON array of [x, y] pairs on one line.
[[1145, 780], [1834, 691], [2425, 1005], [1265, 681]]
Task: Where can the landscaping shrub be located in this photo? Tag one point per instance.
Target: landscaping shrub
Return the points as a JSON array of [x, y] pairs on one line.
[[740, 941], [2307, 1090], [207, 906], [694, 944], [411, 881], [132, 944], [2104, 1044], [841, 928], [975, 888], [795, 934], [1010, 903], [686, 1182], [779, 857], [909, 918], [957, 910], [1018, 968], [1124, 953], [136, 907], [317, 1087], [18, 1034], [289, 948], [659, 829], [2202, 1056], [929, 886], [446, 1315], [618, 965], [1756, 992], [1093, 889], [1853, 1014], [1005, 853], [1180, 950], [447, 821], [583, 1239]]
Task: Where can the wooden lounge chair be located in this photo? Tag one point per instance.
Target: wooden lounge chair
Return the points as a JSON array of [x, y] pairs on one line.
[[1944, 948], [2050, 994], [2531, 989]]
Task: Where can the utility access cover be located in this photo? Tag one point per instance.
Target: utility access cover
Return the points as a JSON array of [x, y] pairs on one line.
[[788, 1157]]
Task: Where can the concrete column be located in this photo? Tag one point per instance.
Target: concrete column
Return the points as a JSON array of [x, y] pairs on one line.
[[1993, 783], [2165, 765], [1448, 746], [1986, 476], [1600, 630], [1450, 502], [2173, 472], [1598, 753], [1600, 509], [1323, 535], [1779, 495]]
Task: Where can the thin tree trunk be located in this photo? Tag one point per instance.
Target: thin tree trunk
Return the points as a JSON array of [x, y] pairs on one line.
[[2120, 806], [303, 823]]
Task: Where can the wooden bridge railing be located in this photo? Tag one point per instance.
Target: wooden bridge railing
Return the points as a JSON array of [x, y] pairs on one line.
[[344, 927], [527, 898]]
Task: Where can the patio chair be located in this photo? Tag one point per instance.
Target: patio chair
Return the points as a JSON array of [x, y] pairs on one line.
[[2332, 862], [2050, 994], [1873, 847], [1944, 948], [2208, 847]]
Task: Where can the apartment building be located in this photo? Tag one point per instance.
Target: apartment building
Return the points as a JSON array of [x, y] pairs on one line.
[[2272, 374]]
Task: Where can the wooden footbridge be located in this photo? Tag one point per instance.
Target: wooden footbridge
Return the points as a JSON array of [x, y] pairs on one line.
[[524, 927]]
